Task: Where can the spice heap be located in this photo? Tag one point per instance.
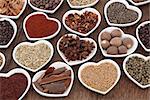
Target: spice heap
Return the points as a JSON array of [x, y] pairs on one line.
[[100, 77], [82, 23], [11, 7], [45, 4], [12, 87], [6, 32], [114, 44], [118, 13], [75, 49], [38, 26], [54, 81], [1, 61], [33, 56], [81, 2], [139, 69], [138, 1], [144, 35]]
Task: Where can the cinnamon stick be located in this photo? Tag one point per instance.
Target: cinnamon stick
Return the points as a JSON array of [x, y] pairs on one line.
[[54, 78], [56, 71]]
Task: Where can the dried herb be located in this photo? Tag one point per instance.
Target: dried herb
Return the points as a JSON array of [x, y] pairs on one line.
[[81, 2], [33, 56]]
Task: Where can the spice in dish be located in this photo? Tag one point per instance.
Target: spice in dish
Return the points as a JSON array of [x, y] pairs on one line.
[[33, 56], [12, 87], [1, 61], [144, 35], [75, 49], [38, 26], [82, 23], [11, 7], [139, 1], [81, 2], [54, 81], [100, 77], [6, 32], [119, 14], [45, 4], [139, 69], [114, 44]]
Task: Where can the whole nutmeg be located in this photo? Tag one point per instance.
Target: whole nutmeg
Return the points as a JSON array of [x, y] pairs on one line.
[[116, 41], [112, 50], [105, 44], [122, 49], [106, 36], [116, 33], [128, 42]]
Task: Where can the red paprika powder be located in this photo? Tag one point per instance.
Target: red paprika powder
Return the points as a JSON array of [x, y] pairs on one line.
[[38, 26], [13, 87]]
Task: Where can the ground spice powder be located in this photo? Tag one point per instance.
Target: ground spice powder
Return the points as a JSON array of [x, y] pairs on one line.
[[38, 26], [13, 87], [100, 77]]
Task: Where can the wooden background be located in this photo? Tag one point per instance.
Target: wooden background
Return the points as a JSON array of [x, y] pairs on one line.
[[124, 90]]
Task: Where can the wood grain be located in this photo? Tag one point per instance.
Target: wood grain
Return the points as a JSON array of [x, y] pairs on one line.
[[124, 90]]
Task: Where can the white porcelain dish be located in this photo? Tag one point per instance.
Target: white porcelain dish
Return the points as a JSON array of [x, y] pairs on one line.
[[130, 51], [100, 62], [47, 37], [140, 3], [15, 31], [55, 65], [4, 60], [81, 12], [32, 44], [136, 9], [77, 61], [128, 75]]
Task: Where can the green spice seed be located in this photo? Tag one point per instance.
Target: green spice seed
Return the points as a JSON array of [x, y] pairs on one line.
[[139, 69]]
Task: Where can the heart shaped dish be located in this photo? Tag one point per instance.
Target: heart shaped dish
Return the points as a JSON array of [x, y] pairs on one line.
[[89, 26], [122, 11], [44, 20], [13, 24], [75, 50], [3, 10], [140, 2], [54, 87], [137, 67], [144, 37], [2, 61], [33, 56], [77, 6], [51, 11], [14, 72], [114, 42], [99, 77]]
